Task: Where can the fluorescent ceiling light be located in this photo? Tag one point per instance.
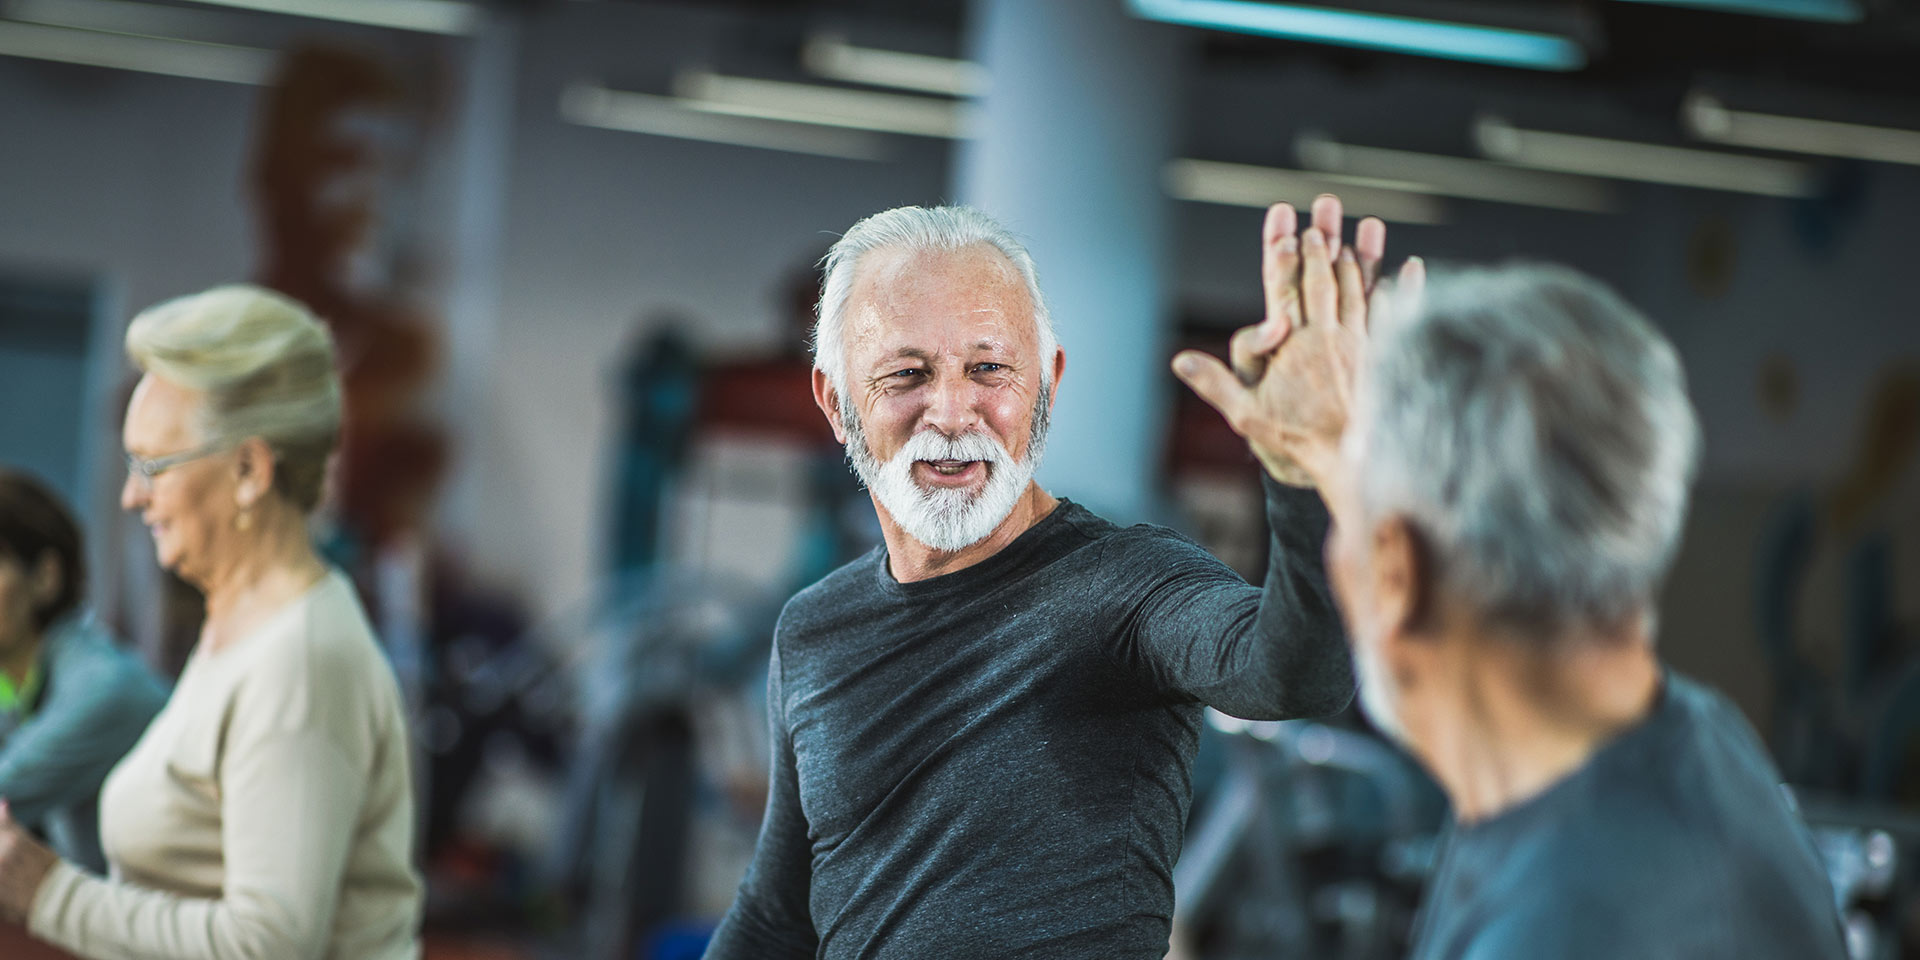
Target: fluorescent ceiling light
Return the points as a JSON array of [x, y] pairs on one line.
[[821, 105], [1708, 119], [1456, 176], [1651, 163], [1242, 185], [831, 56], [596, 106], [120, 16], [1830, 11], [1374, 31], [123, 51], [425, 16]]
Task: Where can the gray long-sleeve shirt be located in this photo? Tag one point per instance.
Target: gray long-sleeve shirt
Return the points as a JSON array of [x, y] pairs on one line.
[[1673, 842], [95, 702], [998, 762]]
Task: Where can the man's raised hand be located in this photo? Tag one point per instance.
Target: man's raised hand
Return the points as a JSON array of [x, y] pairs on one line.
[[1291, 380]]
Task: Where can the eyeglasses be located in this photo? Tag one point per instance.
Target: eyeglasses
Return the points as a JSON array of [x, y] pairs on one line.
[[144, 470]]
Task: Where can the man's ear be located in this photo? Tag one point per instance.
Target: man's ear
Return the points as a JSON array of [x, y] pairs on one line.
[[1403, 578], [1059, 370], [828, 401]]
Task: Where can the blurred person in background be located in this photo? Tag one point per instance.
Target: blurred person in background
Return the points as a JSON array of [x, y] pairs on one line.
[[72, 701], [983, 730], [268, 810], [1508, 466]]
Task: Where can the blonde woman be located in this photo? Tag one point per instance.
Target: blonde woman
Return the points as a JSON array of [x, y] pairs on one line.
[[268, 811]]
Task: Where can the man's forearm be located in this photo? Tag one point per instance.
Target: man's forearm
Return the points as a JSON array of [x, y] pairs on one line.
[[1299, 623]]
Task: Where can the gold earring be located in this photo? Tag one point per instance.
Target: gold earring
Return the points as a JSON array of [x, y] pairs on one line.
[[243, 520]]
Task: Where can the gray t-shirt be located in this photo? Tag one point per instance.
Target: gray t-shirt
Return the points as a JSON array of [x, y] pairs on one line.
[[998, 762], [1673, 841]]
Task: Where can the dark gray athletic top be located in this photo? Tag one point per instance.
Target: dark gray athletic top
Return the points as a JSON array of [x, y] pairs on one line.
[[1674, 841], [998, 762]]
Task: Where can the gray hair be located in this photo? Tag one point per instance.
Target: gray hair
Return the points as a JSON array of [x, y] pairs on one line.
[[266, 366], [919, 229], [1536, 429]]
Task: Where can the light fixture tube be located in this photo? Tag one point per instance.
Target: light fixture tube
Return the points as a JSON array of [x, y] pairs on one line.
[[1374, 31]]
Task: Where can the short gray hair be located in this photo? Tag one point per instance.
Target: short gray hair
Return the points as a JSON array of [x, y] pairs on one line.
[[266, 366], [1536, 428], [919, 229]]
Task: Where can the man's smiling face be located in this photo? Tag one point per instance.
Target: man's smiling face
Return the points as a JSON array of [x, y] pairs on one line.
[[944, 385]]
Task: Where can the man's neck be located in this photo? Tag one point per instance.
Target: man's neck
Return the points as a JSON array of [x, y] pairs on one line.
[[1523, 719], [909, 559]]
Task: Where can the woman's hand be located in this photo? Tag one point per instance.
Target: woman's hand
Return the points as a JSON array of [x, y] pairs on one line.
[[24, 865]]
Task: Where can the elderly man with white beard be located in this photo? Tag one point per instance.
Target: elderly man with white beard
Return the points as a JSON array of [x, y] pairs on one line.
[[1507, 459], [983, 731]]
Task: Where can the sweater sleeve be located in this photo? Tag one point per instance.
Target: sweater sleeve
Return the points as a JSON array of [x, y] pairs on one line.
[[288, 806], [97, 703], [1269, 653], [770, 918]]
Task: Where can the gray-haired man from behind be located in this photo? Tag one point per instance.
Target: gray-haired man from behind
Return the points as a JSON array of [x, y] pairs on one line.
[[1508, 461], [983, 731]]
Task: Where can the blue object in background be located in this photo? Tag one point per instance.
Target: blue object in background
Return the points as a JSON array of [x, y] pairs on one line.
[[660, 388], [682, 941], [44, 348]]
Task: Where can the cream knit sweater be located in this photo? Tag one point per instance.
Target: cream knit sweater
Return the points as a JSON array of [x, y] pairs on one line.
[[266, 813]]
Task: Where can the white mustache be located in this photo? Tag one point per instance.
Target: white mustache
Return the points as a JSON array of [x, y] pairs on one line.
[[934, 445]]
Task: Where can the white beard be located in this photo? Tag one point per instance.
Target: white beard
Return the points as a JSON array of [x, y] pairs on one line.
[[947, 520]]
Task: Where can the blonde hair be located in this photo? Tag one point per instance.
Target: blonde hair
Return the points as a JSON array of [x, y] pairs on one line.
[[266, 366]]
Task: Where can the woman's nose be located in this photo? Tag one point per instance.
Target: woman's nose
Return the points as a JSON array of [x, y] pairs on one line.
[[133, 493]]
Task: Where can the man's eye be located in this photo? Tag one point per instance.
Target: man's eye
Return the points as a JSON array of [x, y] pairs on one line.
[[906, 373], [991, 367]]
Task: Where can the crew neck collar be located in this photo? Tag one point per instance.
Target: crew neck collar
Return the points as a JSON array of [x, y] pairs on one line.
[[1008, 557]]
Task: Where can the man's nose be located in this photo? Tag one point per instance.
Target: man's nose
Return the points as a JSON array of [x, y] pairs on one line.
[[952, 408]]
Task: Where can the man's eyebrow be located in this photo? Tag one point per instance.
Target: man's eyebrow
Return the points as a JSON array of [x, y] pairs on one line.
[[910, 353], [926, 356]]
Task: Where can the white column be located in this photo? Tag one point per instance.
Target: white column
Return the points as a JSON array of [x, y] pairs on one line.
[[1078, 119]]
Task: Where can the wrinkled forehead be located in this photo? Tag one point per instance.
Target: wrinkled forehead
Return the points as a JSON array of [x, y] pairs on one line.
[[931, 300], [163, 417]]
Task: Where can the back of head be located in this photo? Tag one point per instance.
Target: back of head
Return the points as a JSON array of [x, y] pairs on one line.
[[35, 524], [1535, 428], [266, 366], [917, 229]]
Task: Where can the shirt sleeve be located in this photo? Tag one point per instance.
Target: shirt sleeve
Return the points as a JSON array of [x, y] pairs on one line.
[[1274, 652], [290, 796], [770, 918], [95, 707]]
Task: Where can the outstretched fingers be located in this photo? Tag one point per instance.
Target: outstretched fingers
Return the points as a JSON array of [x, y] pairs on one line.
[[1411, 285], [1327, 219], [1320, 294], [1217, 385], [1370, 246], [1280, 272], [1250, 351], [1350, 278], [1399, 299]]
